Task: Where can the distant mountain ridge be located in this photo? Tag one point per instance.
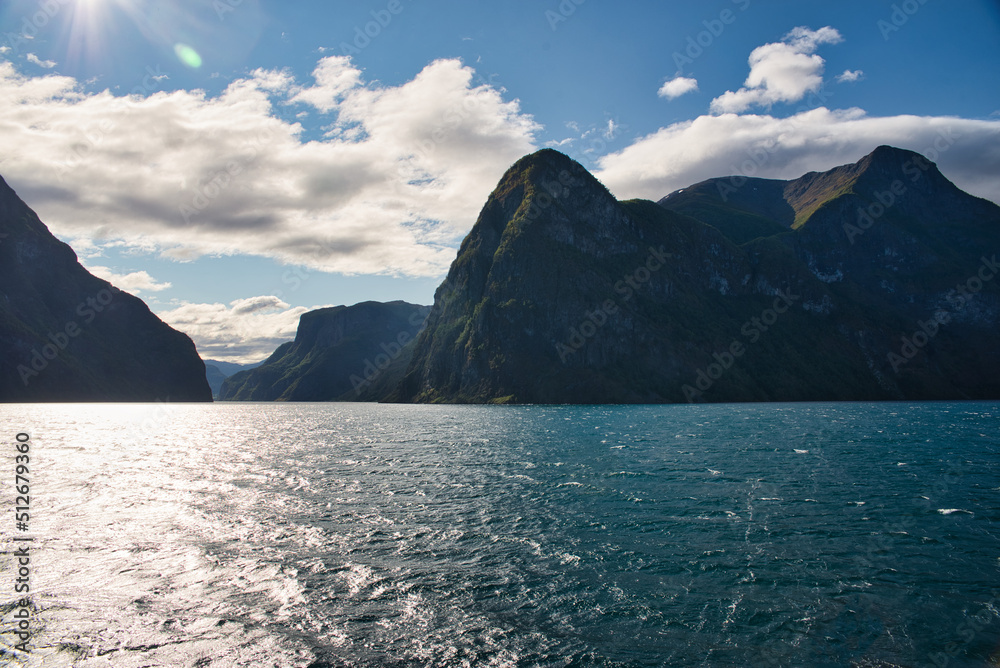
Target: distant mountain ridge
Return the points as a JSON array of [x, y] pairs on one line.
[[66, 335], [345, 353], [217, 371], [229, 368]]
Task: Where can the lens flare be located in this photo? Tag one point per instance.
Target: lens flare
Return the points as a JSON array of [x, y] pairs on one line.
[[187, 55]]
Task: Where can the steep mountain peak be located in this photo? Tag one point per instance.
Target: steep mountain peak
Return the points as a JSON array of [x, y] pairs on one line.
[[546, 174], [888, 163], [888, 155], [884, 169], [546, 157], [544, 198]]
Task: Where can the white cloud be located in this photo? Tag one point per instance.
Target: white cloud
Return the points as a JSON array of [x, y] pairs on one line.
[[399, 179], [552, 143], [135, 282], [257, 304], [243, 331], [47, 64], [967, 151], [850, 77], [783, 71], [678, 86], [335, 78], [611, 130]]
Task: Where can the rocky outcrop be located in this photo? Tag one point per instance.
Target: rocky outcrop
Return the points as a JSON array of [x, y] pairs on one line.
[[865, 282]]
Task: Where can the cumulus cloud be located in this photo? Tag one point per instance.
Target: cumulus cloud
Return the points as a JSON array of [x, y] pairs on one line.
[[784, 71], [678, 86], [335, 78], [850, 76], [257, 304], [396, 181], [47, 64], [243, 331], [135, 282], [966, 150]]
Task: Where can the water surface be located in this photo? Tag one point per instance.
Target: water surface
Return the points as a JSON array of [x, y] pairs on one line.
[[382, 535]]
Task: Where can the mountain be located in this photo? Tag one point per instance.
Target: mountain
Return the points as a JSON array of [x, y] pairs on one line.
[[66, 335], [215, 379], [869, 281], [216, 373], [344, 353], [227, 369]]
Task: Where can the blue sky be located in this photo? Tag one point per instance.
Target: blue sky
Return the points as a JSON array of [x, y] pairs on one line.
[[238, 162]]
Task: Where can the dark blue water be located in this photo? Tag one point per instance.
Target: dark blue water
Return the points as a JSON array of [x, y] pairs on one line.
[[370, 535]]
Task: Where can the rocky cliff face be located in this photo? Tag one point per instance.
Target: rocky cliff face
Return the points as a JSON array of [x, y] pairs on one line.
[[842, 285], [344, 353], [66, 335]]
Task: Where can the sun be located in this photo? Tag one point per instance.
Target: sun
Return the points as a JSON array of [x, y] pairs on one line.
[[99, 27], [90, 26], [109, 37]]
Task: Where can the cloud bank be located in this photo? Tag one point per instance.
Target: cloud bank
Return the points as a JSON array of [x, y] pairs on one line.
[[398, 177], [243, 331], [967, 151], [135, 282]]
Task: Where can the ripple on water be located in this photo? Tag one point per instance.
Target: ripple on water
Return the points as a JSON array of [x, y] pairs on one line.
[[370, 535]]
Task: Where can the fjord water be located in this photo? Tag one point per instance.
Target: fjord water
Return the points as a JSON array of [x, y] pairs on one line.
[[386, 535]]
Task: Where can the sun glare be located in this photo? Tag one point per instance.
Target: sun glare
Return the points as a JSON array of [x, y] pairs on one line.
[[97, 26], [106, 36]]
